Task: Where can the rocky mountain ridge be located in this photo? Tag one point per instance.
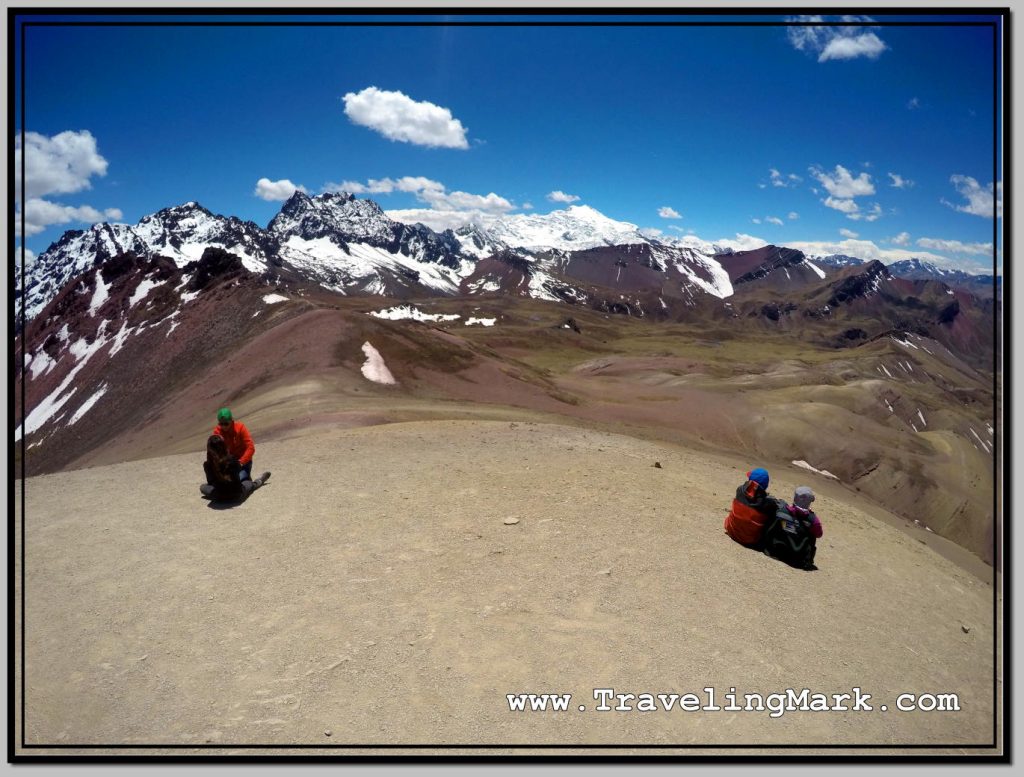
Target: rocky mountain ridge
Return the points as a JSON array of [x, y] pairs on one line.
[[351, 246]]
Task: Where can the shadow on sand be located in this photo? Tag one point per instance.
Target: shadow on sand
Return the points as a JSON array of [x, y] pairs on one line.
[[227, 504], [756, 549], [218, 504]]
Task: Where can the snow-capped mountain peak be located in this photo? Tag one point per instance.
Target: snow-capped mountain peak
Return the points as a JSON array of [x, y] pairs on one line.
[[576, 228], [331, 213], [919, 267]]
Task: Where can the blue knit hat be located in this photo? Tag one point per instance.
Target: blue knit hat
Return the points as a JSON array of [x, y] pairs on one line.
[[759, 476]]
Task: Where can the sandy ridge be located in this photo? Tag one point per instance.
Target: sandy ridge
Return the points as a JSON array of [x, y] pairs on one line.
[[374, 591]]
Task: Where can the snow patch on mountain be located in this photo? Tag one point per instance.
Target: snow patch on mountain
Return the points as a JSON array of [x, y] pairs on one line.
[[808, 263], [485, 284], [408, 312], [374, 367], [717, 284], [88, 404], [40, 363], [984, 444], [804, 465], [541, 285], [145, 286], [56, 399], [905, 343], [100, 295], [475, 240], [337, 268]]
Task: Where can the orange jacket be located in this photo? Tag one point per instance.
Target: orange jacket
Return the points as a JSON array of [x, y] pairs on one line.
[[750, 511], [238, 440]]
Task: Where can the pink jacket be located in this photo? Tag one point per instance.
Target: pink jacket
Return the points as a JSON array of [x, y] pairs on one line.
[[799, 512]]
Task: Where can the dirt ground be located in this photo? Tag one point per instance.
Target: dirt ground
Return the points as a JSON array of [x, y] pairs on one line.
[[393, 583]]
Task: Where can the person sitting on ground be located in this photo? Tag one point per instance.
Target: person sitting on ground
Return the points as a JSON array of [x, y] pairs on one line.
[[793, 533], [239, 445], [222, 472], [751, 509]]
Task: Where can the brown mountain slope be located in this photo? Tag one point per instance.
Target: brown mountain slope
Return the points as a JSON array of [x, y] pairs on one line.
[[902, 420]]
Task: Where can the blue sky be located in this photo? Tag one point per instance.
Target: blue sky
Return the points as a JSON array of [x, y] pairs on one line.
[[873, 139]]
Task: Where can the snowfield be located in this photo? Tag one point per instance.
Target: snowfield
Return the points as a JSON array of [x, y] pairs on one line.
[[408, 312], [374, 367]]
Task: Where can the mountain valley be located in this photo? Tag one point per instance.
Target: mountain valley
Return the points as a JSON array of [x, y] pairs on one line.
[[134, 335]]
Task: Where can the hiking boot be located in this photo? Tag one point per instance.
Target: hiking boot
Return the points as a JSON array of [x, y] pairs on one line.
[[262, 479], [206, 489]]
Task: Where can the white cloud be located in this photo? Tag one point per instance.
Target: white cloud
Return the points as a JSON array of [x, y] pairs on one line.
[[902, 239], [440, 220], [756, 221], [428, 191], [40, 213], [842, 188], [408, 183], [742, 242], [276, 190], [871, 215], [868, 251], [783, 181], [527, 206], [804, 37], [668, 213], [832, 42], [843, 206], [30, 257], [58, 165], [560, 196], [848, 233], [489, 203], [899, 182], [956, 247], [793, 215], [773, 220], [651, 232], [398, 117], [865, 45], [913, 104], [61, 164], [980, 199], [843, 185]]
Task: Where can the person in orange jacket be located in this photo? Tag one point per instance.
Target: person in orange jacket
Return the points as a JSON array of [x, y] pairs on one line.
[[751, 509], [239, 444]]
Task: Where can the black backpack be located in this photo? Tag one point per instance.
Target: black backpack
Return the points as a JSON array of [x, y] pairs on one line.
[[788, 538]]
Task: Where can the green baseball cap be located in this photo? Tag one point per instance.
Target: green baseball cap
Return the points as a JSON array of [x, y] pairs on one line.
[[224, 415]]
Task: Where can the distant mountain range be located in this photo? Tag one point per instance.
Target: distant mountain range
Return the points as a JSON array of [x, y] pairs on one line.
[[920, 270], [350, 246], [155, 299]]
